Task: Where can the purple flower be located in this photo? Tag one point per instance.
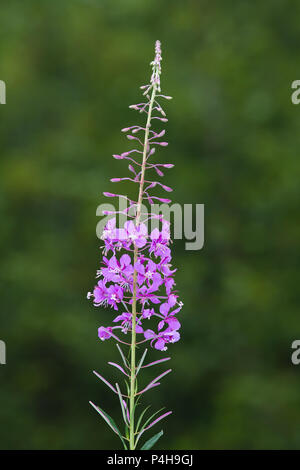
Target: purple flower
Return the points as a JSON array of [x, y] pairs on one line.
[[117, 271], [159, 241], [137, 235], [147, 313], [126, 323], [171, 321], [109, 231], [161, 339], [145, 295], [114, 295], [100, 293], [169, 283], [148, 273], [104, 333], [166, 338], [111, 236], [165, 307]]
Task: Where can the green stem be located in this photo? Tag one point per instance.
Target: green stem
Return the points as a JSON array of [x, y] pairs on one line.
[[135, 258]]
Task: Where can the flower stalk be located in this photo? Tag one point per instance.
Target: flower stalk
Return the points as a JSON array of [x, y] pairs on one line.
[[140, 282], [137, 220]]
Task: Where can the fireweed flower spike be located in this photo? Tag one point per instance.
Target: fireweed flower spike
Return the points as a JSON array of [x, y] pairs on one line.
[[136, 278]]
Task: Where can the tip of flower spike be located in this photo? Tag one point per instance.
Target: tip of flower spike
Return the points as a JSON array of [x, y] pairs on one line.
[[109, 194], [118, 157], [115, 180]]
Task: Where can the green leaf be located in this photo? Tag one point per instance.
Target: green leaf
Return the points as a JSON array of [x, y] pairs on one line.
[[152, 441], [122, 404], [143, 429], [141, 417], [127, 387], [141, 362], [109, 421], [122, 356], [151, 417]]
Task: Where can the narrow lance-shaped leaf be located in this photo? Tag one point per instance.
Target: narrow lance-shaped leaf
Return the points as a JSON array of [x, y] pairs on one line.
[[141, 362], [118, 367], [122, 404], [109, 421], [156, 362], [141, 417], [159, 377], [149, 386], [144, 427], [152, 441], [122, 356], [158, 419], [152, 424], [127, 411], [105, 381]]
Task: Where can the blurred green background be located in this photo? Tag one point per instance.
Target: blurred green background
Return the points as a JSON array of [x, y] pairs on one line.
[[71, 70]]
